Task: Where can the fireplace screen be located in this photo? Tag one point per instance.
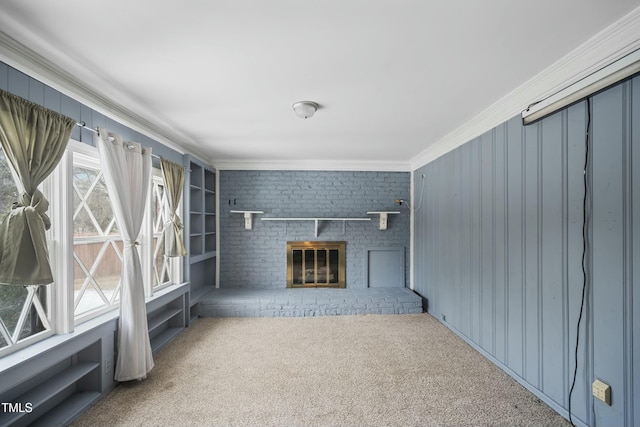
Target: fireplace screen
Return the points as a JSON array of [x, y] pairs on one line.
[[315, 264]]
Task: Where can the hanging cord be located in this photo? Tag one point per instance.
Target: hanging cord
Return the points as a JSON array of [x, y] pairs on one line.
[[401, 201], [585, 249]]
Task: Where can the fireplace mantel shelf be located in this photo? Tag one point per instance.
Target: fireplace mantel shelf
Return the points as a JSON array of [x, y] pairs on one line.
[[316, 220]]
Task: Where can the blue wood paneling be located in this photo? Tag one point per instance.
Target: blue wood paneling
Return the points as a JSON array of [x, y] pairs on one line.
[[511, 202], [52, 98], [4, 76], [487, 243], [18, 83], [475, 251], [500, 270], [552, 250], [531, 254], [609, 150], [515, 247], [71, 108], [633, 267], [36, 92], [581, 400], [466, 190]]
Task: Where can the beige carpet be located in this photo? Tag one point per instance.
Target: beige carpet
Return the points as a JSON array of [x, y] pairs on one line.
[[397, 370]]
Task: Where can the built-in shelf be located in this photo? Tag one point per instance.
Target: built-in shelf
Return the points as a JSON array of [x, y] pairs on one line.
[[248, 217], [201, 227], [194, 301], [384, 215], [64, 413], [61, 387], [158, 319], [166, 317], [49, 388], [164, 338], [317, 220]]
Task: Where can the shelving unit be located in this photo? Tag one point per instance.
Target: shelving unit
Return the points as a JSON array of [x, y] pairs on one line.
[[201, 228], [58, 391], [166, 318]]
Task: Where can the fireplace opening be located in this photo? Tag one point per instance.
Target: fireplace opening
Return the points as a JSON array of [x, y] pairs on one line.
[[315, 264]]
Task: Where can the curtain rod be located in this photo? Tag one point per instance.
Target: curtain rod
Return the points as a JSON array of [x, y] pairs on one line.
[[84, 125]]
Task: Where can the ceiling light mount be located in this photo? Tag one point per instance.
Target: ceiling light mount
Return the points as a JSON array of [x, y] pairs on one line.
[[305, 109]]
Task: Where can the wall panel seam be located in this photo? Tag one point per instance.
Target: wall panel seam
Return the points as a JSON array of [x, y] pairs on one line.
[[565, 256], [523, 252], [627, 226], [493, 239], [539, 296]]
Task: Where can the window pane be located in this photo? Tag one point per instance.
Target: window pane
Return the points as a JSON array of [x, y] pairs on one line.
[[92, 206], [160, 215], [100, 206], [14, 300], [97, 243], [8, 190]]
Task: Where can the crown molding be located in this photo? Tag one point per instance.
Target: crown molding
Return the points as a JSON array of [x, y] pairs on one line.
[[313, 165], [26, 60], [604, 48]]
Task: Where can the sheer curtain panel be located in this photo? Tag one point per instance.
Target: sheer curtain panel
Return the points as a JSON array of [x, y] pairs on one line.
[[173, 181], [127, 171], [33, 139]]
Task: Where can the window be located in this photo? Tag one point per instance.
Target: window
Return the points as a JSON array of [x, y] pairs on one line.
[[163, 267], [23, 309], [97, 245], [85, 251]]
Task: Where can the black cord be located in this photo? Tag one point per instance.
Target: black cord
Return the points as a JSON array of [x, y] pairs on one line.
[[585, 248]]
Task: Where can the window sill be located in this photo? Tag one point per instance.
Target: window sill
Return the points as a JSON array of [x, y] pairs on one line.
[[23, 355]]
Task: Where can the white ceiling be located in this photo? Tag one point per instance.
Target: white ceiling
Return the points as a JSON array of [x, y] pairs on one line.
[[393, 77]]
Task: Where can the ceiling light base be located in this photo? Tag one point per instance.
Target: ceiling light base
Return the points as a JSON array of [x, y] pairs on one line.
[[305, 109]]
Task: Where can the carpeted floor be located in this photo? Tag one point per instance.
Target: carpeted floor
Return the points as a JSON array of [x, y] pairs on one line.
[[396, 370]]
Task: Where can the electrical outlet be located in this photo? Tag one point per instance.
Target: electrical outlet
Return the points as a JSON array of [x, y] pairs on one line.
[[601, 391]]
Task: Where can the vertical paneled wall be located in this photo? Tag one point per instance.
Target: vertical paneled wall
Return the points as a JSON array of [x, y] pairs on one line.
[[498, 249]]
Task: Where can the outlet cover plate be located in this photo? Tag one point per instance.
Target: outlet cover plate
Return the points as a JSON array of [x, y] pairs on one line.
[[601, 391]]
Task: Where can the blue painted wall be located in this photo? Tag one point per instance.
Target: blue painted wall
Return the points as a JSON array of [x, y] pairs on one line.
[[257, 258], [29, 88], [35, 364], [498, 246]]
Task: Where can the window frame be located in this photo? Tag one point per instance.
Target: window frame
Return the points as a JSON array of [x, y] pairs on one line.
[[65, 318], [148, 250], [58, 187]]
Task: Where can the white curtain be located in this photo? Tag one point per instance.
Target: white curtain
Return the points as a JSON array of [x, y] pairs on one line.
[[127, 171]]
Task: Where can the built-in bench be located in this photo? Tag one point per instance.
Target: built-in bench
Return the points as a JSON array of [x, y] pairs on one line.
[[245, 302]]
